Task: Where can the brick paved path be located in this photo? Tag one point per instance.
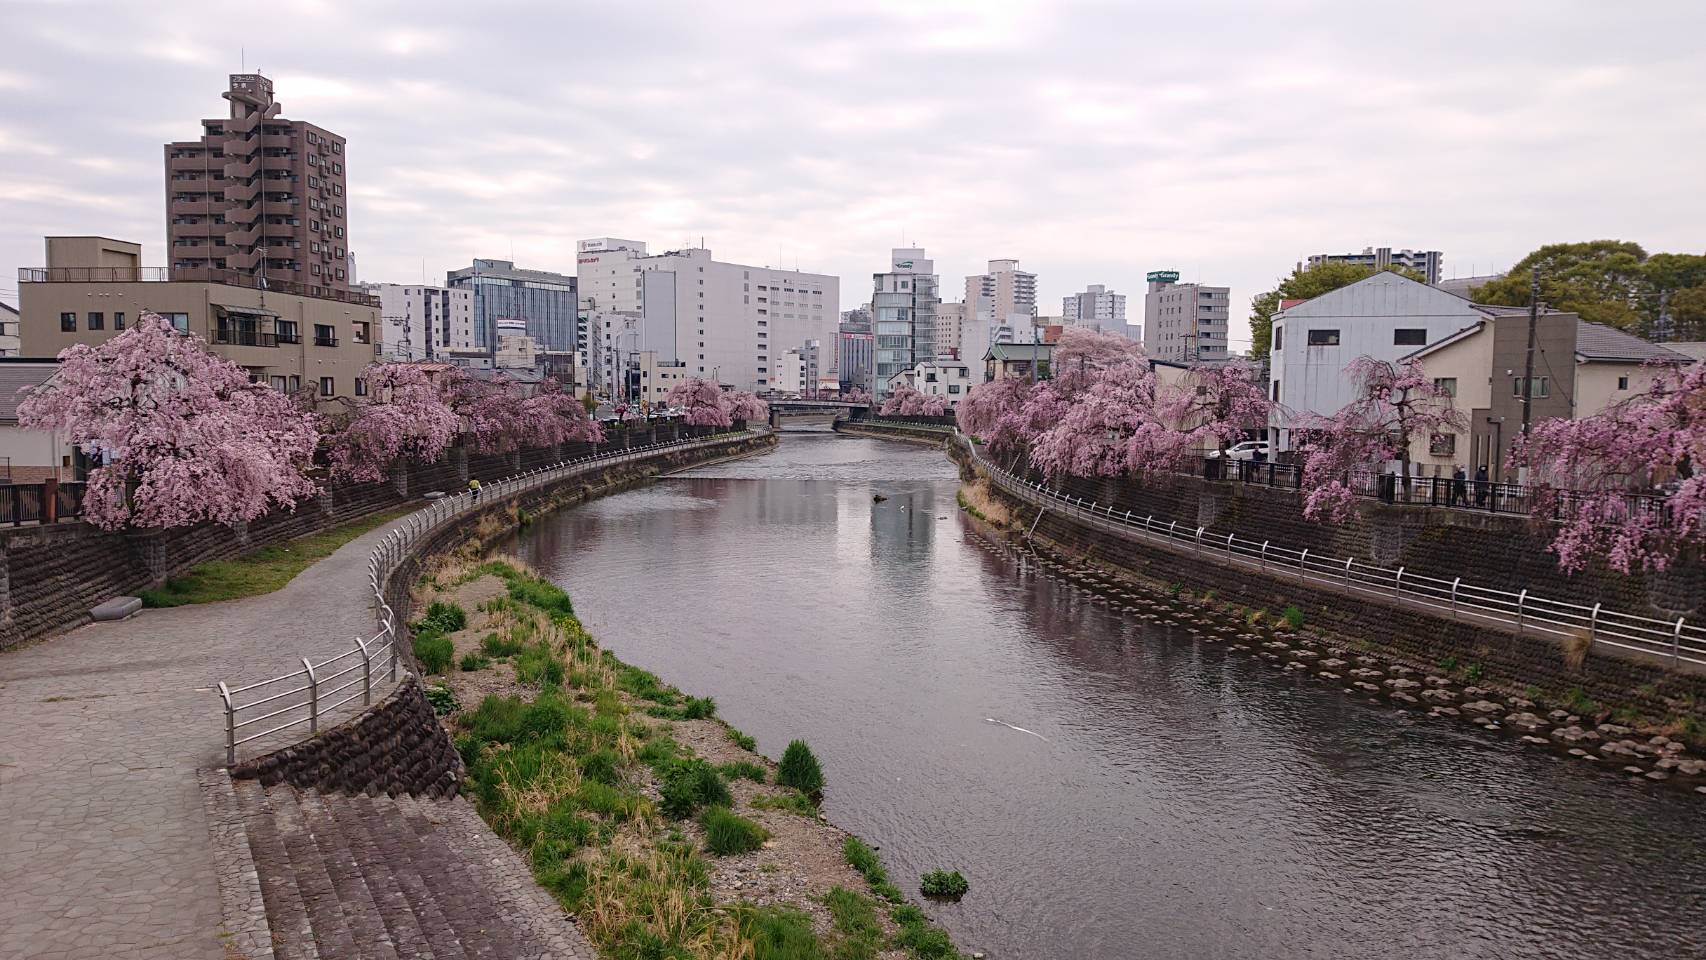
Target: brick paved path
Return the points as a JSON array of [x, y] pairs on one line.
[[104, 848]]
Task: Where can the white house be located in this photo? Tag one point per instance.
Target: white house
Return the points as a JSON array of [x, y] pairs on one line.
[[948, 379], [1384, 316]]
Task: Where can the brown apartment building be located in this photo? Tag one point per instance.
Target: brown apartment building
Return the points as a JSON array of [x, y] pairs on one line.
[[258, 196]]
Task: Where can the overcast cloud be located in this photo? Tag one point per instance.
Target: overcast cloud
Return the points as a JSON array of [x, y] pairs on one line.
[[1092, 141]]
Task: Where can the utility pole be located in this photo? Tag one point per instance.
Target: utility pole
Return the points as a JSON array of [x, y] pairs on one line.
[[1528, 362]]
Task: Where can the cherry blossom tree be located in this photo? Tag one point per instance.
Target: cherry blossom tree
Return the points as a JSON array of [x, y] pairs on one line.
[[1395, 404], [994, 412], [1654, 440], [856, 394], [1109, 428], [745, 406], [403, 415], [490, 410], [902, 401], [1214, 405], [551, 416], [183, 435], [701, 402], [1082, 355]]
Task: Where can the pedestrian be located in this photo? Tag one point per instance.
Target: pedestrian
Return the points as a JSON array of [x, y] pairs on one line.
[[474, 488], [1459, 486], [1481, 485]]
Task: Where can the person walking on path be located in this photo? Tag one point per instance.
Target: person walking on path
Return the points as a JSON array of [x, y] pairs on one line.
[[474, 488], [1459, 487], [1481, 485]]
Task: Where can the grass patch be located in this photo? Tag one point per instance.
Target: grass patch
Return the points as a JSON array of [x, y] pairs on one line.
[[443, 617], [854, 916], [799, 769], [434, 651], [1293, 617], [690, 783], [862, 858], [699, 708], [780, 933], [948, 884], [262, 571], [743, 741], [744, 770], [793, 801], [495, 646], [471, 662], [726, 832]]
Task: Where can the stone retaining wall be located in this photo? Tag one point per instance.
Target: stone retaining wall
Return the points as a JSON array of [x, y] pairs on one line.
[[891, 431]]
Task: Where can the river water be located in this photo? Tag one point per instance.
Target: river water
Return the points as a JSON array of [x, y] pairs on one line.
[[1163, 798]]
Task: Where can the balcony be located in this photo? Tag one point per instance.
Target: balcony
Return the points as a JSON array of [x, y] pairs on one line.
[[244, 338], [229, 277], [322, 341]]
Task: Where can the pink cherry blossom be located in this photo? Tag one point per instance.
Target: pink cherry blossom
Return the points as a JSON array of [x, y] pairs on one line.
[[403, 415], [552, 415], [994, 412], [1215, 405], [184, 436], [700, 401], [745, 406]]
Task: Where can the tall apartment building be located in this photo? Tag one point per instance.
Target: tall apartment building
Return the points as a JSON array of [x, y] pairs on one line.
[[855, 348], [903, 305], [952, 322], [1184, 322], [1424, 262], [545, 303], [419, 322], [1096, 306], [1003, 291], [727, 322], [258, 196]]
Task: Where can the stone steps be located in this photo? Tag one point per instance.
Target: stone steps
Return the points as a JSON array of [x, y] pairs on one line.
[[393, 878]]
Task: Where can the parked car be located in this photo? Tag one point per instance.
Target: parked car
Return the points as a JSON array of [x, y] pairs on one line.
[[1244, 451]]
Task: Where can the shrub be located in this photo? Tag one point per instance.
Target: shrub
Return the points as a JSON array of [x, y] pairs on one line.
[[727, 832], [434, 651], [474, 661], [743, 741], [496, 646], [442, 699], [689, 784], [443, 617], [539, 665], [698, 708], [799, 769], [1473, 673], [744, 769], [1293, 617], [944, 883]]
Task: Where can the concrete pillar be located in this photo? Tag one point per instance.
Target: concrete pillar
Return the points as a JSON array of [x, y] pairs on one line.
[[459, 462], [151, 551], [50, 501], [240, 532], [400, 478], [5, 584]]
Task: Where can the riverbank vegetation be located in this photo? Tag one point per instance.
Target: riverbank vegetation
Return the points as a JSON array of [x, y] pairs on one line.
[[650, 820]]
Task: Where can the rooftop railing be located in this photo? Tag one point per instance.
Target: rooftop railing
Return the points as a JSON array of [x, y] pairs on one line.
[[230, 278]]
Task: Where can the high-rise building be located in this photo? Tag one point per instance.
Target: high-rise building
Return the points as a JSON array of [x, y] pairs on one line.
[[259, 196], [798, 373], [903, 304], [1184, 322], [1004, 290], [854, 348], [421, 322], [545, 303], [952, 322], [727, 322], [1424, 262], [1097, 306]]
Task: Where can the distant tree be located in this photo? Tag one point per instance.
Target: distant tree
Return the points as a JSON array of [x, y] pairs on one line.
[[183, 436], [490, 410], [745, 406], [552, 415], [1394, 405], [994, 412], [1215, 404], [1108, 429], [1602, 281], [403, 415], [905, 401], [1653, 441], [1306, 283], [856, 394], [700, 401]]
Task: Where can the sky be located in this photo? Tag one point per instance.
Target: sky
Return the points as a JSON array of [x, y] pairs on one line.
[[1091, 141]]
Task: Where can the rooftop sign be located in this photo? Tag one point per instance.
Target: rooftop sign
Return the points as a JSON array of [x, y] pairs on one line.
[[1163, 276]]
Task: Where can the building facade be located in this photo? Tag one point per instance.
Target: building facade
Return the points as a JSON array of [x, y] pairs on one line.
[[545, 303], [1185, 322], [903, 304], [726, 322], [288, 339], [855, 344], [259, 196], [422, 322], [1004, 290], [952, 322], [1097, 306], [949, 379], [10, 343], [1424, 262]]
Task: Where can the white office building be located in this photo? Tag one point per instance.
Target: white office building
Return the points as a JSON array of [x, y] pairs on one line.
[[726, 322], [1097, 306], [1424, 262], [1384, 316], [903, 305], [952, 322], [1184, 322], [419, 322], [1003, 290]]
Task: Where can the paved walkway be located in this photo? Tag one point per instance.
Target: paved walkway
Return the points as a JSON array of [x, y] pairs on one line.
[[104, 848]]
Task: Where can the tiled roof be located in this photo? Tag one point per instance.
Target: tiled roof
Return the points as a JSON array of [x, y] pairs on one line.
[[15, 377], [1020, 351], [1596, 341]]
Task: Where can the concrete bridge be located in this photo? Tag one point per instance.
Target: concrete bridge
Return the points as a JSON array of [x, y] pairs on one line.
[[813, 409]]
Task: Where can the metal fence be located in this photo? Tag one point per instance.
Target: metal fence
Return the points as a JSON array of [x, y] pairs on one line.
[[22, 503], [1677, 641], [310, 695]]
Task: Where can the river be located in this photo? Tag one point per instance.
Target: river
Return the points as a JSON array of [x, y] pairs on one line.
[[1163, 799]]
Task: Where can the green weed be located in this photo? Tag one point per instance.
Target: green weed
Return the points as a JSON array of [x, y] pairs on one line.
[[727, 832]]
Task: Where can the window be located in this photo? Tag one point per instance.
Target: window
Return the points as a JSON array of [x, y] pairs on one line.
[[1275, 397], [1622, 382], [1446, 385], [325, 335], [295, 383], [1541, 389], [68, 322], [286, 331], [326, 388], [96, 320], [180, 321], [360, 387], [278, 383], [361, 335], [953, 388], [118, 320], [1323, 338], [1442, 444], [1279, 338], [1409, 337]]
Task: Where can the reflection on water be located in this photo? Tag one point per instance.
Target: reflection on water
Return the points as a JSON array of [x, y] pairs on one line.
[[1177, 800]]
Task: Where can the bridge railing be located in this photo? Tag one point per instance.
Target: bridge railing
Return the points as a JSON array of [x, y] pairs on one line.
[[313, 694], [1677, 641]]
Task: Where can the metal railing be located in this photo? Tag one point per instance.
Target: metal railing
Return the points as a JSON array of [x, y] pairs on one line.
[[310, 695], [22, 503], [1676, 640]]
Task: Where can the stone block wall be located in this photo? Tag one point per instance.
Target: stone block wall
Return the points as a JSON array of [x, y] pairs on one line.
[[395, 747]]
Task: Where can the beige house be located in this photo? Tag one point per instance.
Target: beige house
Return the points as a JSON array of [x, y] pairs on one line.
[[92, 288], [29, 456], [1580, 369]]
